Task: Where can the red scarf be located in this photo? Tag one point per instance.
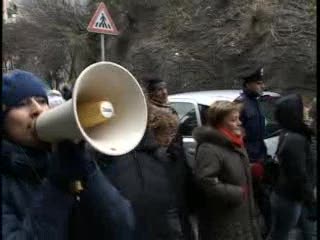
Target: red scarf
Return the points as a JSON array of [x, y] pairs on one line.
[[235, 139]]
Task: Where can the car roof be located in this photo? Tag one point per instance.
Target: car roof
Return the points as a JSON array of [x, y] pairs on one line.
[[208, 97]]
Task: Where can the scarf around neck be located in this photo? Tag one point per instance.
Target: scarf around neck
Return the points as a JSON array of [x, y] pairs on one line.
[[235, 139], [159, 104]]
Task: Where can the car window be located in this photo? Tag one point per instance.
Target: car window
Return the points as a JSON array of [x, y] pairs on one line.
[[203, 113], [187, 117], [267, 104]]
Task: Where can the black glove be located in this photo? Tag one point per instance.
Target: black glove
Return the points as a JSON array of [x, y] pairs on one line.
[[70, 162]]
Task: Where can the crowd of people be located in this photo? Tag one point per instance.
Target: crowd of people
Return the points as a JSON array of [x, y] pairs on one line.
[[151, 193]]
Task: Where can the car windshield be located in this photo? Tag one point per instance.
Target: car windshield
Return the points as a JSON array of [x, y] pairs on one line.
[[187, 117], [267, 104], [203, 113], [188, 120]]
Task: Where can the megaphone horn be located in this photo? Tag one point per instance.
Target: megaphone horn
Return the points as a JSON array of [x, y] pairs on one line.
[[108, 110]]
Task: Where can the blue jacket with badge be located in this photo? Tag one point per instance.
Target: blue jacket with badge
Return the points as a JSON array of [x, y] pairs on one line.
[[253, 122]]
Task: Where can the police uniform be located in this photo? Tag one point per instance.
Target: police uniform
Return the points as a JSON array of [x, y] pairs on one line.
[[253, 120]]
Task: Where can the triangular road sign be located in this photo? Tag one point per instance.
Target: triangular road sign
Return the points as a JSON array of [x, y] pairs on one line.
[[101, 22]]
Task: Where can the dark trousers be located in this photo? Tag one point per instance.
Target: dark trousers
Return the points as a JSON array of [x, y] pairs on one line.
[[307, 224], [285, 216], [179, 226], [262, 198]]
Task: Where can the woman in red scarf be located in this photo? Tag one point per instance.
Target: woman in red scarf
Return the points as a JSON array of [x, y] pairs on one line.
[[223, 176]]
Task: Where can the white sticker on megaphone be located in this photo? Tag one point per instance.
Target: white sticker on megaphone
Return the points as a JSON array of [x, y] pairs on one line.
[[106, 109]]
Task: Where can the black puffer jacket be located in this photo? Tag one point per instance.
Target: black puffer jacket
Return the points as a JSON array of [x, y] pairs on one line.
[[156, 185], [296, 179]]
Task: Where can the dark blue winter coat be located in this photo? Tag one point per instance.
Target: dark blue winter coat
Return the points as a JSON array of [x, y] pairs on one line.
[[33, 208], [253, 122], [156, 187]]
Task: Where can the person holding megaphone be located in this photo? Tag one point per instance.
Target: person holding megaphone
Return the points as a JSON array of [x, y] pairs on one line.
[[37, 200]]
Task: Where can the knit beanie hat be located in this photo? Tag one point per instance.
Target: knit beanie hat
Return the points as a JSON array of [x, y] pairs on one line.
[[19, 85]]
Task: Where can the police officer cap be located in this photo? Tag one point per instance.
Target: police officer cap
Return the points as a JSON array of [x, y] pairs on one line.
[[254, 77]]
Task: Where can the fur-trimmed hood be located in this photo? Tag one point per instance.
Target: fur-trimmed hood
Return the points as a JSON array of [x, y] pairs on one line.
[[164, 123], [211, 135]]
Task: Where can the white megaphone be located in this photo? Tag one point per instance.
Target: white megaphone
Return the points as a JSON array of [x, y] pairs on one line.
[[108, 109]]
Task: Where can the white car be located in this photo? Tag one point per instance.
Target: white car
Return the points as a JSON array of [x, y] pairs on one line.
[[191, 108]]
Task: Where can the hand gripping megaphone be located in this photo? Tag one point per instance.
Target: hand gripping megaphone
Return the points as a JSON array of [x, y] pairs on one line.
[[108, 109]]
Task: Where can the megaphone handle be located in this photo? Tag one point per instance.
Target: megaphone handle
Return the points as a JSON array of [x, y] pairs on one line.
[[76, 187]]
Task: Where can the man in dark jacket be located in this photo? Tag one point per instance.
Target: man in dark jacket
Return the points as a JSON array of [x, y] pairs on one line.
[[146, 177], [163, 123], [37, 200], [252, 118], [253, 122]]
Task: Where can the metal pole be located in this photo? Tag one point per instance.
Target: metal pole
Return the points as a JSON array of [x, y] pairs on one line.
[[102, 47]]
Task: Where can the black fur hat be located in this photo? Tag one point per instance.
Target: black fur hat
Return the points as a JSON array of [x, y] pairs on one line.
[[151, 83]]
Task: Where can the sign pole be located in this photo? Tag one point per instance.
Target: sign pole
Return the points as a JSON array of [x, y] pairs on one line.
[[102, 47], [102, 23]]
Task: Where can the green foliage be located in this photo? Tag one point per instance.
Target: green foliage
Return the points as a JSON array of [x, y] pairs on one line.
[[313, 7]]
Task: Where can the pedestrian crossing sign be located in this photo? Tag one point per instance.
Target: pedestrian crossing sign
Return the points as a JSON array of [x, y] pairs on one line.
[[101, 22]]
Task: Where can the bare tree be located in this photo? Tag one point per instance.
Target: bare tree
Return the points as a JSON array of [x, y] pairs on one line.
[[50, 39]]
